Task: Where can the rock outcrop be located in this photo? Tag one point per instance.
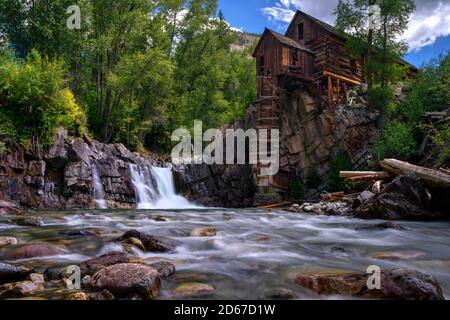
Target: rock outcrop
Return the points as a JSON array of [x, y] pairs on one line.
[[406, 198], [61, 177], [230, 186], [128, 279], [396, 284]]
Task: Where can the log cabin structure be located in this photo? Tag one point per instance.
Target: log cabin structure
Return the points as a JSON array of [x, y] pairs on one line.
[[311, 56]]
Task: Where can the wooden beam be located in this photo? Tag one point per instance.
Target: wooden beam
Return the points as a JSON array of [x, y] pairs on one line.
[[338, 91], [345, 79], [352, 174], [330, 92], [345, 93], [433, 177]]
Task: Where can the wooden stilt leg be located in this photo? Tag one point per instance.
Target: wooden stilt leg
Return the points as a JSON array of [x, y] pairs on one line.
[[338, 92], [330, 92]]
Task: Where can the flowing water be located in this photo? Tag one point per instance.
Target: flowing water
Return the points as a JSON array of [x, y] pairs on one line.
[[253, 251], [155, 189], [99, 194]]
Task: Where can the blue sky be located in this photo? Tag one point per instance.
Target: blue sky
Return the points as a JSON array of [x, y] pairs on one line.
[[428, 34]]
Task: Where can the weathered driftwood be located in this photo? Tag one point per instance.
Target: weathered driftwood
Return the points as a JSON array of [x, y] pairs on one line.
[[365, 175], [275, 205], [433, 177]]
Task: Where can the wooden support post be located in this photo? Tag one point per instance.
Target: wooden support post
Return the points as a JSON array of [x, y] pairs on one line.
[[345, 93], [330, 92], [338, 92]]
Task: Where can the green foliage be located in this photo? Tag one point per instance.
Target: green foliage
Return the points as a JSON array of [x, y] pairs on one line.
[[313, 179], [296, 190], [380, 97], [440, 136], [34, 100], [340, 163], [380, 44], [139, 68], [397, 142]]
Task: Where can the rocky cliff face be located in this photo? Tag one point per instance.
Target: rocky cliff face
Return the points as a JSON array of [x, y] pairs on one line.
[[229, 186], [311, 138], [61, 178]]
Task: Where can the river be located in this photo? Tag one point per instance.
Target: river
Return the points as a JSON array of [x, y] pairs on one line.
[[254, 250]]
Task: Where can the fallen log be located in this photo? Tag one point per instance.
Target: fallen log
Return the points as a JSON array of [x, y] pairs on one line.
[[432, 177], [332, 196], [275, 205], [365, 175]]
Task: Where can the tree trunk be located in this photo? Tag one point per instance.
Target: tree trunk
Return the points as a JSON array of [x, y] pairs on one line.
[[432, 177]]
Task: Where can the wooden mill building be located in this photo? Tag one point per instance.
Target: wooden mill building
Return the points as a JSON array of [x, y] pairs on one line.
[[311, 55]]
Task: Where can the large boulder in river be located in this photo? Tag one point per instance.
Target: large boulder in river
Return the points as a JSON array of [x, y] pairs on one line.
[[128, 279], [20, 289], [8, 208], [10, 273], [406, 197], [396, 284], [35, 250], [150, 243], [91, 266]]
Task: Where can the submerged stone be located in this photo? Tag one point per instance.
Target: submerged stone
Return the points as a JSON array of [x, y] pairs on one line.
[[128, 279], [204, 232], [396, 284], [10, 273], [194, 290]]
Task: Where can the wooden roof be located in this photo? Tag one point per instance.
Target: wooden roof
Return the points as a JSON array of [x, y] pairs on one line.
[[333, 30], [282, 39]]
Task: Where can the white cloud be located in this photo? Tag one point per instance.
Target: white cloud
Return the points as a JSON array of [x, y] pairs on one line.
[[428, 24], [430, 21]]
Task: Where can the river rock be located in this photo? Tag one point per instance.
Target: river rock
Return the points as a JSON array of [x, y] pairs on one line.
[[10, 273], [164, 268], [8, 208], [405, 198], [194, 290], [135, 243], [7, 241], [278, 294], [77, 296], [396, 284], [128, 279], [337, 208], [204, 232], [398, 255], [35, 250], [382, 226], [30, 222], [91, 266], [20, 289], [102, 296], [37, 278], [150, 243]]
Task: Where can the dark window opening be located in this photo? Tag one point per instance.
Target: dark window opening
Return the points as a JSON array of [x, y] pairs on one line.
[[261, 64], [294, 57], [301, 31], [353, 67]]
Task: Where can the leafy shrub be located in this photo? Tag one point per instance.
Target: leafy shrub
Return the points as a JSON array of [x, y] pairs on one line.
[[380, 98], [35, 100], [440, 136], [397, 142], [313, 179], [296, 190], [340, 163]]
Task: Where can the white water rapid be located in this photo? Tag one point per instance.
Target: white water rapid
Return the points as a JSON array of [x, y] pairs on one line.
[[99, 195], [155, 189]]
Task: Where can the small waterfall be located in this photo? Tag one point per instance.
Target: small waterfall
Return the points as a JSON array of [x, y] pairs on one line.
[[155, 189], [141, 178], [99, 195]]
